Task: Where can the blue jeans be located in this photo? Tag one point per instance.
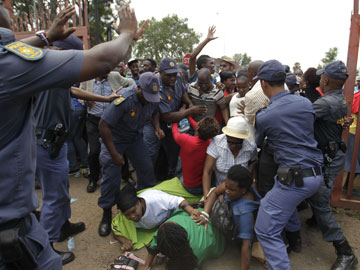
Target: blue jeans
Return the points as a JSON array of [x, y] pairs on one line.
[[75, 140]]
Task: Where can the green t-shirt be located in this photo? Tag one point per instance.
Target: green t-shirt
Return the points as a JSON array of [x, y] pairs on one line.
[[205, 244]]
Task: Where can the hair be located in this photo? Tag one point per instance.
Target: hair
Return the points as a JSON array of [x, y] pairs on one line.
[[226, 74], [287, 68], [312, 80], [184, 71], [202, 61], [276, 83], [241, 176], [208, 128], [127, 198], [152, 61], [242, 77], [173, 242]]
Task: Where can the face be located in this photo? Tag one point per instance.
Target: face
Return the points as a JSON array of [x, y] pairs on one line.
[[140, 96], [225, 66], [230, 83], [147, 67], [358, 83], [134, 68], [205, 84], [235, 144], [121, 67], [242, 87], [168, 79], [210, 65], [134, 213], [232, 190], [323, 81]]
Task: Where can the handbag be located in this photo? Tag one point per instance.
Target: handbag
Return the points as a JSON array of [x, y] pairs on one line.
[[222, 217]]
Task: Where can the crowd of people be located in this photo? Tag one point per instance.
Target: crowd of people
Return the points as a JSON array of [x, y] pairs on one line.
[[242, 149]]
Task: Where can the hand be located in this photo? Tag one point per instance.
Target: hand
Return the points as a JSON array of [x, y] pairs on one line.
[[118, 90], [127, 245], [195, 214], [57, 30], [348, 120], [211, 32], [201, 221], [241, 107], [160, 134], [118, 159], [128, 22], [198, 109], [183, 108], [220, 86], [91, 103], [141, 31], [112, 96]]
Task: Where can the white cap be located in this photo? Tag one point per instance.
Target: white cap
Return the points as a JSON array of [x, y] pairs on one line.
[[237, 127]]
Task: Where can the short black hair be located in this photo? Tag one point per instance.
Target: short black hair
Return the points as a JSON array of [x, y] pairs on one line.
[[127, 198], [226, 74], [152, 61], [276, 83], [202, 61], [241, 176]]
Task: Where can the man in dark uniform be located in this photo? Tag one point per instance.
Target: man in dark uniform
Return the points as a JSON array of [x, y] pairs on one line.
[[288, 124], [120, 129], [330, 112], [26, 71]]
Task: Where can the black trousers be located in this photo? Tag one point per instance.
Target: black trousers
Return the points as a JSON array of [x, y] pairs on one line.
[[92, 127]]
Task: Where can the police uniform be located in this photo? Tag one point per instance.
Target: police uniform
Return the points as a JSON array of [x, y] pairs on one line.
[[288, 124], [330, 111], [126, 117], [24, 72], [170, 101]]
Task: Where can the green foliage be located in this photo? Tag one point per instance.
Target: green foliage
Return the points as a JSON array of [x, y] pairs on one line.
[[242, 59], [330, 56], [169, 37], [296, 66]]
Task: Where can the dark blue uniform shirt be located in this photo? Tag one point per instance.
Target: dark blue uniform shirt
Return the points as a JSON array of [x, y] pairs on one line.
[[170, 99], [129, 117], [288, 124]]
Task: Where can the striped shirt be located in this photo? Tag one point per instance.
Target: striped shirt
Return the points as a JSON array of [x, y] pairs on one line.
[[101, 88], [255, 100], [219, 150], [212, 100]]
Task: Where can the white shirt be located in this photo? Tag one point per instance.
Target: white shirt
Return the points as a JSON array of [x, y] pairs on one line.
[[220, 151], [159, 206], [255, 100], [235, 100]]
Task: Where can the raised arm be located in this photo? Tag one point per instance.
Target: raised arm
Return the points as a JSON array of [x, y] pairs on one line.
[[172, 117]]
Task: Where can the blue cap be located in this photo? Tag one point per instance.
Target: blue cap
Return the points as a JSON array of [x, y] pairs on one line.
[[271, 71], [168, 66], [72, 42], [335, 70], [291, 80], [149, 84]]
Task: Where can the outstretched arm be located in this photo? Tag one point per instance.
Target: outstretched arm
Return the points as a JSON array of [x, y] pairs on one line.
[[198, 49], [84, 95]]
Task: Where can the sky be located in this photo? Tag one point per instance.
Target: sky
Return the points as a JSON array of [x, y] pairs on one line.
[[287, 30]]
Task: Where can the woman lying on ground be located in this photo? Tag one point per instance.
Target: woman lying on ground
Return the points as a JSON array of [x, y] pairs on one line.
[[148, 209], [244, 202]]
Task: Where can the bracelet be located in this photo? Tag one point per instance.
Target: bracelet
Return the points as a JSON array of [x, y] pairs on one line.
[[185, 205], [42, 35], [205, 214], [204, 217]]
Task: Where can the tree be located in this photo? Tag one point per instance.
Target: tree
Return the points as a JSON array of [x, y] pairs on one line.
[[330, 56], [296, 66], [169, 37], [242, 59]]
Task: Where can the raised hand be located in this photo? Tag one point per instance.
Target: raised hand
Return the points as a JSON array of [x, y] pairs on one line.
[[128, 22], [211, 32], [57, 29]]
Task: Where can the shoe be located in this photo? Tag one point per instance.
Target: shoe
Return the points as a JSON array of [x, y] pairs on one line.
[[294, 239], [311, 222], [66, 256], [302, 206], [346, 260], [85, 172], [76, 173], [105, 224], [70, 229], [91, 187]]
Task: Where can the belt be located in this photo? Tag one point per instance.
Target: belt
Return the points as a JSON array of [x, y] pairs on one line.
[[93, 116], [19, 222], [309, 172]]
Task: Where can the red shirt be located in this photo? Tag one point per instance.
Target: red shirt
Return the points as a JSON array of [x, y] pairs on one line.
[[192, 153]]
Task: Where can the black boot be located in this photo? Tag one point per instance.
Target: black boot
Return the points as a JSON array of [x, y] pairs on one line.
[[105, 224], [66, 256], [311, 222], [70, 229], [91, 187], [294, 239], [346, 260]]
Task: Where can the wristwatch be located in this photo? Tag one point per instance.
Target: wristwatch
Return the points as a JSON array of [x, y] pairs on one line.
[[41, 34]]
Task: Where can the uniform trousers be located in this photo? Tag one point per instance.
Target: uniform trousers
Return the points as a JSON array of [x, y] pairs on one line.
[[111, 173], [320, 202], [54, 180], [92, 128], [37, 240], [278, 212]]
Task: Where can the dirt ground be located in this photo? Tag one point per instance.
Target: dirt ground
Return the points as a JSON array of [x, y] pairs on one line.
[[96, 253]]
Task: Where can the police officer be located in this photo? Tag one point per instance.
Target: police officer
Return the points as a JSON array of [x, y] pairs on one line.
[[120, 129], [330, 111], [25, 71], [172, 96], [288, 124]]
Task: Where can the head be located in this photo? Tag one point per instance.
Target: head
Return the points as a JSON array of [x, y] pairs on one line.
[[237, 130], [207, 128], [168, 71], [298, 72], [149, 65], [272, 76], [228, 78], [357, 82], [333, 76], [242, 85], [173, 242], [184, 72], [227, 63], [133, 65], [204, 80], [122, 68], [310, 79], [291, 81], [5, 20], [72, 42], [129, 204], [205, 61], [148, 88], [287, 68], [238, 182], [253, 70]]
